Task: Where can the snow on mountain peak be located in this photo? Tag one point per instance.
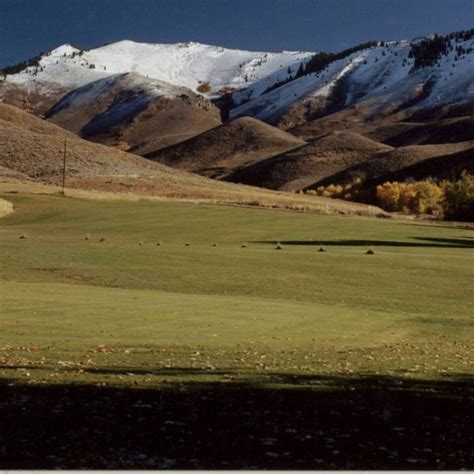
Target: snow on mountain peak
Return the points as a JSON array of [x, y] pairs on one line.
[[65, 49], [188, 65]]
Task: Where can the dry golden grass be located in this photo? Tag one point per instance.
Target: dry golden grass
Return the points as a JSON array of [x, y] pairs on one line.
[[34, 148], [6, 207], [138, 189]]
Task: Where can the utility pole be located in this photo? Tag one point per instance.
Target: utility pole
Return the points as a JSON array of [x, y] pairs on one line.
[[64, 166]]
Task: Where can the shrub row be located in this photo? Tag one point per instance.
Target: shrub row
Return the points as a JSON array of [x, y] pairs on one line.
[[421, 197], [449, 199], [453, 199]]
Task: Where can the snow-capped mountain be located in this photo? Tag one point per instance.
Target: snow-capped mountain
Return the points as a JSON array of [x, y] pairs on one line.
[[286, 88], [189, 65]]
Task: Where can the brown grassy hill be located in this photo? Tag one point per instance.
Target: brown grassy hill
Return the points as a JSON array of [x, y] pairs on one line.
[[321, 158], [34, 147], [400, 163], [442, 167], [399, 134], [31, 154], [134, 113], [227, 148]]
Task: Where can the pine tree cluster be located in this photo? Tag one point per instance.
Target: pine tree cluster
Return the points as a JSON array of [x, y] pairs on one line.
[[427, 52], [320, 60], [16, 68]]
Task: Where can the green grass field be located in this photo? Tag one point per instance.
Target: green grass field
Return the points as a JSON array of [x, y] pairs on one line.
[[128, 314]]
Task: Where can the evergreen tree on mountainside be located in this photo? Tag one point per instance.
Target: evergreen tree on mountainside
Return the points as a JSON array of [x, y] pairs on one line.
[[16, 68], [320, 60], [427, 52]]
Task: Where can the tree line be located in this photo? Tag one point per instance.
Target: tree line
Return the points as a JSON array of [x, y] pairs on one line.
[[16, 68], [427, 52]]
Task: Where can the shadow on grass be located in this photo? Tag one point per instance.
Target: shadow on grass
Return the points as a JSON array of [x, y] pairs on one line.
[[460, 242], [428, 242], [268, 421], [469, 226]]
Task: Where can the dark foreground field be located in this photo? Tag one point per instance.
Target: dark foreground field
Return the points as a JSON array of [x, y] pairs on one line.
[[352, 423], [116, 352]]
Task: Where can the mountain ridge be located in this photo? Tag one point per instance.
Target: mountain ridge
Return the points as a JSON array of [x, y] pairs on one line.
[[220, 112], [269, 86]]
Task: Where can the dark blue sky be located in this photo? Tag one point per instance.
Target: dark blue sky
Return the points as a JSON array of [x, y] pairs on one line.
[[30, 26]]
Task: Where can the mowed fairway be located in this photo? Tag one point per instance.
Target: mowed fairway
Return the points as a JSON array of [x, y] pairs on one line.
[[277, 339]]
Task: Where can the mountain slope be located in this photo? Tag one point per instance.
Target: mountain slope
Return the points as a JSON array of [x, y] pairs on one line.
[[134, 113], [400, 162], [303, 166], [224, 149]]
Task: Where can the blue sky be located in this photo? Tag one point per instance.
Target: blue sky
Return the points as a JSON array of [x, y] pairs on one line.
[[28, 27]]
